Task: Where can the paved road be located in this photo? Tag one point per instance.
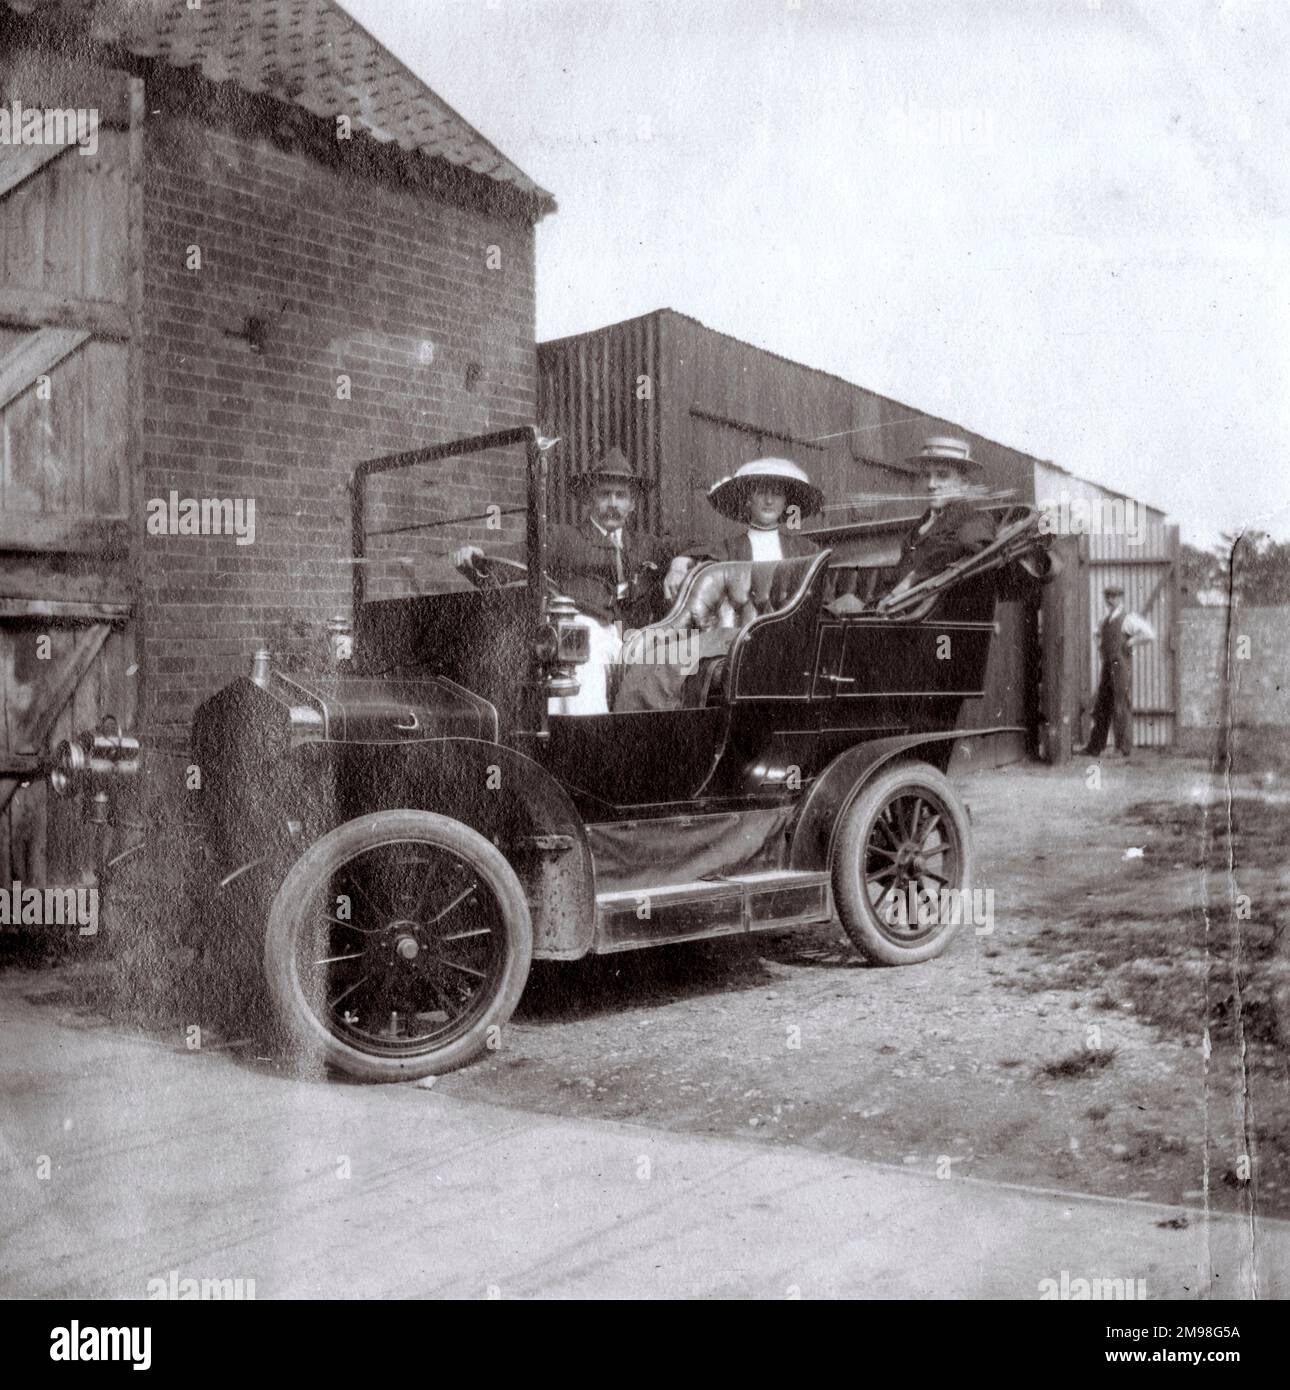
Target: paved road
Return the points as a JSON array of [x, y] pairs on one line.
[[207, 1165]]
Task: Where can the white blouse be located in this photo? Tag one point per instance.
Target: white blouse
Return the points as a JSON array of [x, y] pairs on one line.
[[765, 544]]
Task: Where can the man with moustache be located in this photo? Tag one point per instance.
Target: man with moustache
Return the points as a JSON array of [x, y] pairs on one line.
[[617, 578]]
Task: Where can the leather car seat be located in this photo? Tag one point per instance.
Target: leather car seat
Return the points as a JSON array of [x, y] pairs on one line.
[[731, 593], [717, 596]]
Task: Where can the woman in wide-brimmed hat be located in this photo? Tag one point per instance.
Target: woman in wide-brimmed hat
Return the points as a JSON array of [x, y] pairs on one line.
[[771, 497]]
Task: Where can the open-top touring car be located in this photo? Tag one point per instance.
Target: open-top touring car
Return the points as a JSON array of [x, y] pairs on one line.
[[414, 827]]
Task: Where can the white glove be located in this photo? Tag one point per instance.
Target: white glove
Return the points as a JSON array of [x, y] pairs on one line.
[[675, 576], [464, 559]]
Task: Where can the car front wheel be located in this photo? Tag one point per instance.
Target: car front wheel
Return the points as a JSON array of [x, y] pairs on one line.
[[397, 946], [902, 865]]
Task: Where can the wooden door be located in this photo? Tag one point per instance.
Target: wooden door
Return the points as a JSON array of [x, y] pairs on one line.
[[70, 455]]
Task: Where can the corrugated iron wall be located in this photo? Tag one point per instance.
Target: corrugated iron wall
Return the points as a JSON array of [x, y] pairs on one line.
[[1011, 699], [1054, 487], [599, 391], [1148, 572], [730, 402], [688, 405]]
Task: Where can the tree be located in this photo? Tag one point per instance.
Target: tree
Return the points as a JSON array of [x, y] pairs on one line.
[[1199, 570], [1255, 569]]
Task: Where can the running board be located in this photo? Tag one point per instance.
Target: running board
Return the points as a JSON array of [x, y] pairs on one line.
[[634, 917]]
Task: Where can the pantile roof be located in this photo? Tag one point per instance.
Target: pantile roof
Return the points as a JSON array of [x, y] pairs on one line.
[[307, 52]]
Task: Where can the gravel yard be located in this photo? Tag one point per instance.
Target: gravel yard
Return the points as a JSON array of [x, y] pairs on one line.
[[1062, 1046]]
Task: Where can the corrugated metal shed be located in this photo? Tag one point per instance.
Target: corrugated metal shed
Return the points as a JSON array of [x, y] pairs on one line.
[[688, 405], [602, 390], [1053, 482]]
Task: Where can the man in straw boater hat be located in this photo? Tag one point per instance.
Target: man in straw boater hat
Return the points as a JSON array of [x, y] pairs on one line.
[[615, 577], [1118, 634], [952, 527]]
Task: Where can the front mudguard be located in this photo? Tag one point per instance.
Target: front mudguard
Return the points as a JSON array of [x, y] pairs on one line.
[[496, 790]]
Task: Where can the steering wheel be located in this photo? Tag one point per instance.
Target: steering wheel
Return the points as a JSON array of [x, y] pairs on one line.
[[493, 572]]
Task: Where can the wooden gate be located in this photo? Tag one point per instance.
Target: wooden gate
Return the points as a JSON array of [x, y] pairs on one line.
[[70, 262]]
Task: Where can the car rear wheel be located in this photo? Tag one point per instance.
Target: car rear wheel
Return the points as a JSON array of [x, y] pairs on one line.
[[902, 865], [397, 944]]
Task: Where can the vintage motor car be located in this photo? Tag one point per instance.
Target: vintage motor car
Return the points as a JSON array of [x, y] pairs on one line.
[[410, 827]]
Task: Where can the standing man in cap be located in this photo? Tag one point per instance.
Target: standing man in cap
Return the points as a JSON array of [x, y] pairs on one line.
[[952, 527], [1117, 636], [614, 577]]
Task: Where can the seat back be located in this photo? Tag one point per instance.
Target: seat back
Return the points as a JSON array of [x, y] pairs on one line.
[[723, 603], [871, 550], [731, 593], [773, 656], [725, 594]]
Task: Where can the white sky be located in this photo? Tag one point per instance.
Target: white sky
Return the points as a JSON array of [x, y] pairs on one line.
[[1065, 223]]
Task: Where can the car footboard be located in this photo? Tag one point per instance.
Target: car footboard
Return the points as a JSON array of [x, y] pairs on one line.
[[630, 918]]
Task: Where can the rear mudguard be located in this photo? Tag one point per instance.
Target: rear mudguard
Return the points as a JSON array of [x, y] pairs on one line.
[[811, 837]]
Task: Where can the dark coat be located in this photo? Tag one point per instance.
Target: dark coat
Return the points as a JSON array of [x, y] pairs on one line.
[[580, 559], [958, 529]]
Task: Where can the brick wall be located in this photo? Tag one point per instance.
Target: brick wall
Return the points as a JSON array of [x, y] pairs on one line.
[[1260, 680], [351, 274]]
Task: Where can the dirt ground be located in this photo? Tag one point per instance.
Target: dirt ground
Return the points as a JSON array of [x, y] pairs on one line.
[[1117, 1029], [1065, 1048]]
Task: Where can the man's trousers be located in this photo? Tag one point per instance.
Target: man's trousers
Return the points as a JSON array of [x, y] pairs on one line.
[[1113, 707]]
